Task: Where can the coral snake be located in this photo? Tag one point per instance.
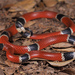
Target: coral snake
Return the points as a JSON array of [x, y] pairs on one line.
[[33, 50]]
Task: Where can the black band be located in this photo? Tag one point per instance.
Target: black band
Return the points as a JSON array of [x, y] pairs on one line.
[[29, 31], [5, 33], [24, 57], [66, 31], [1, 46], [20, 22], [59, 16], [71, 39], [68, 56], [26, 34], [33, 47]]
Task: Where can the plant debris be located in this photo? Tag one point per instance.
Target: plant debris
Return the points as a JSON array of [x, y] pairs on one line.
[[10, 9]]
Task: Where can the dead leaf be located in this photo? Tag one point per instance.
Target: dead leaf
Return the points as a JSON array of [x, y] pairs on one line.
[[9, 70], [29, 23], [1, 60], [2, 27], [2, 66], [37, 1], [60, 64], [26, 42], [22, 72], [23, 5], [31, 10], [11, 64], [71, 2], [29, 66], [63, 44], [17, 74], [70, 71], [67, 49], [61, 73], [60, 0], [1, 72], [7, 3], [50, 3]]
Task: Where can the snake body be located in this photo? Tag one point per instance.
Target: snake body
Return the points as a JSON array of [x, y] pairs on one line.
[[34, 50]]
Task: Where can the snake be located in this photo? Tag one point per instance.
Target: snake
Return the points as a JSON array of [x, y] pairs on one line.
[[31, 51]]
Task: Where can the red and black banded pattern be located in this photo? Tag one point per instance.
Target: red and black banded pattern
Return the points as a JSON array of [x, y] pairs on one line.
[[33, 50], [48, 56]]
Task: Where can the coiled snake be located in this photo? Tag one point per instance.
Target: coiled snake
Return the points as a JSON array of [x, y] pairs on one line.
[[33, 50]]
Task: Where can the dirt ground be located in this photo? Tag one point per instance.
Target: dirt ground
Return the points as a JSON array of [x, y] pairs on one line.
[[10, 9]]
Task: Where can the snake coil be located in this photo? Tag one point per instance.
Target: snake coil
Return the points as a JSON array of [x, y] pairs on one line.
[[33, 50]]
